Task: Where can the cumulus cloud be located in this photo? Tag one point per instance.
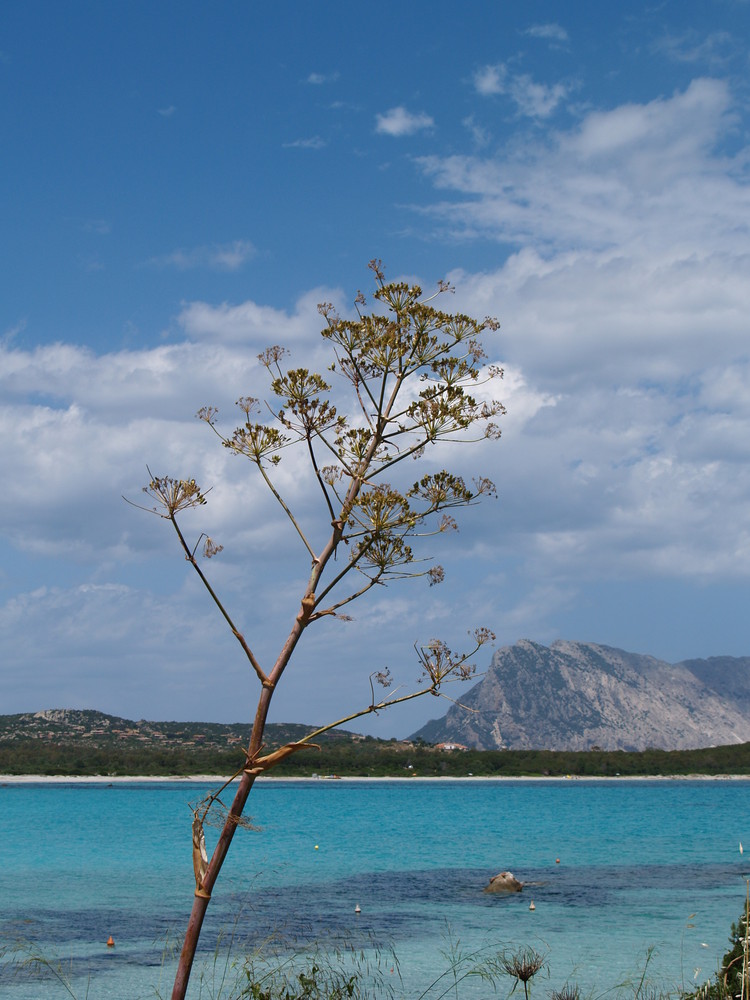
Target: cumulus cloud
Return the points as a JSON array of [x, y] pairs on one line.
[[216, 256], [491, 80], [532, 99], [398, 122], [77, 430], [537, 100], [624, 309], [617, 176], [252, 323]]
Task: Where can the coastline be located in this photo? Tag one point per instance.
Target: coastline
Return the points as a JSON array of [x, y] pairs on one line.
[[214, 779]]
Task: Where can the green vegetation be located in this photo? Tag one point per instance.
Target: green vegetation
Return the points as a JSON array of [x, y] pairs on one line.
[[733, 978], [90, 743], [376, 759]]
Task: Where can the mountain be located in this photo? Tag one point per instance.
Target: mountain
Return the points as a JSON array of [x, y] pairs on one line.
[[579, 695]]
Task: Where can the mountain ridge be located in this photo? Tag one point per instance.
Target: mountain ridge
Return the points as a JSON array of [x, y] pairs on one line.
[[578, 696]]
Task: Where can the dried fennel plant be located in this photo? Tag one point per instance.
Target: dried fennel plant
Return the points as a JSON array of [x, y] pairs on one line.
[[408, 370]]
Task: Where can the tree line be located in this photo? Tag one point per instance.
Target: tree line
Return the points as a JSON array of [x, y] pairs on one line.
[[370, 759]]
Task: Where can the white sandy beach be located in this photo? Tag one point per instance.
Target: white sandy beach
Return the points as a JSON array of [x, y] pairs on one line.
[[213, 779]]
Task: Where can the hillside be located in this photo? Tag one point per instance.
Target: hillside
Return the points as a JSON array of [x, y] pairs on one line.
[[81, 741], [85, 727], [99, 729], [577, 695]]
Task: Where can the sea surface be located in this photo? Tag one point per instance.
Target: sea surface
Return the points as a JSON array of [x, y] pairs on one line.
[[625, 876]]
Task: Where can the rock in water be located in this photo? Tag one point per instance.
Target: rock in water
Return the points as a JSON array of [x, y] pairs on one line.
[[504, 882]]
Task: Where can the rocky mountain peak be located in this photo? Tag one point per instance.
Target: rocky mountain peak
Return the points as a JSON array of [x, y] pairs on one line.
[[576, 695]]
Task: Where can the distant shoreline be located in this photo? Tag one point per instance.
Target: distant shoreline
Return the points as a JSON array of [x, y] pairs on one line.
[[213, 779]]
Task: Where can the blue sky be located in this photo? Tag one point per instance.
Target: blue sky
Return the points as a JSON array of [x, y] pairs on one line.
[[184, 182]]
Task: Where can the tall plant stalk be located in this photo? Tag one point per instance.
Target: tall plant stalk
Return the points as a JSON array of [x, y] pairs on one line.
[[408, 369]]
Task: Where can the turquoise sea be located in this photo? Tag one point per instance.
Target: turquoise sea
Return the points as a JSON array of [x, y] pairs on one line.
[[642, 865]]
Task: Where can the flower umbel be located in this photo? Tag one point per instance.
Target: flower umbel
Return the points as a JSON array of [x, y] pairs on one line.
[[173, 495]]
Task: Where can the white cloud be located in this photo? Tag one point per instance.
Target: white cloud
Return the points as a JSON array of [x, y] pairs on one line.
[[537, 100], [639, 173], [685, 125], [479, 134], [715, 49], [491, 80], [217, 257], [78, 429], [398, 121], [624, 313], [251, 323], [551, 32], [313, 142], [318, 79], [167, 112], [532, 99], [9, 335]]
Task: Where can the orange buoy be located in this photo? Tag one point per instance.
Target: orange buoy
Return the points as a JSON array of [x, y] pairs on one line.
[[110, 942], [557, 861]]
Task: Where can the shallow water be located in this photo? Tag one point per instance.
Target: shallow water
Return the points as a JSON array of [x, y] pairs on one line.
[[636, 859]]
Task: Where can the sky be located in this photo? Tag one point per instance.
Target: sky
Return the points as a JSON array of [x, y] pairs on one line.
[[184, 182]]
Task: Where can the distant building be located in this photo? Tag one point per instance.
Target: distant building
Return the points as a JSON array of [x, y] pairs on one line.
[[450, 746]]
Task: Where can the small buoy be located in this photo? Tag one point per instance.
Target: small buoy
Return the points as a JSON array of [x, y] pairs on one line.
[[531, 905], [110, 942], [316, 847], [557, 861], [357, 908]]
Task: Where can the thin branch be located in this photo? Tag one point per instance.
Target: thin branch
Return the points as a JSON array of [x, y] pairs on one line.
[[380, 706], [235, 631], [286, 510], [337, 454], [404, 454], [314, 462], [356, 382], [347, 569], [453, 701], [372, 582]]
